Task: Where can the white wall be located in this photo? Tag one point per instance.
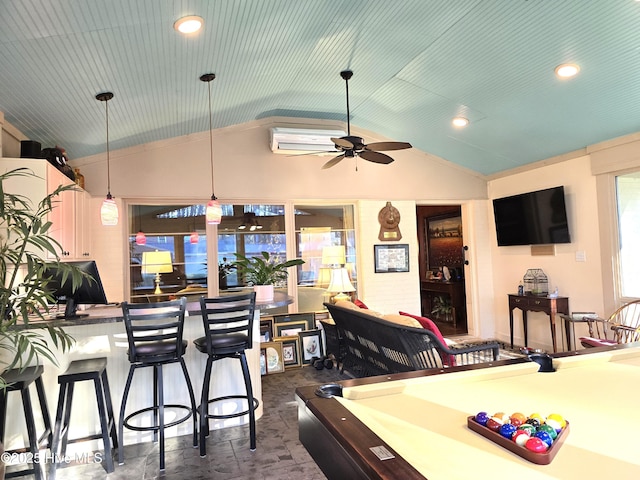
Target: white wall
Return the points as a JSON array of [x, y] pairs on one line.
[[579, 281]]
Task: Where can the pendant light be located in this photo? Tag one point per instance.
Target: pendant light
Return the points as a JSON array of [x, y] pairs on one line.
[[194, 237], [213, 213], [109, 209], [141, 238]]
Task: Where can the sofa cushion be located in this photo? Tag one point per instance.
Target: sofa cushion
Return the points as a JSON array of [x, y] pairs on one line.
[[346, 304], [359, 303], [428, 324], [404, 320]]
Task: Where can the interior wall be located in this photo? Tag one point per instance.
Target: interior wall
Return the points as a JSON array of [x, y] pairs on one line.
[[580, 281]]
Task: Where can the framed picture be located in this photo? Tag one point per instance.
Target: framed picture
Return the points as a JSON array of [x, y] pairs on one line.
[[391, 258], [266, 329], [444, 241], [311, 345], [263, 361], [290, 328], [273, 357], [308, 317], [290, 351]]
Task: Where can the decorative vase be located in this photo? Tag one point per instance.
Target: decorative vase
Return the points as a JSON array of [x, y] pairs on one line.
[[264, 293]]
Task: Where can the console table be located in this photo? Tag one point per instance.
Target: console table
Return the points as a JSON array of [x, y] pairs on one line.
[[531, 303], [455, 290]]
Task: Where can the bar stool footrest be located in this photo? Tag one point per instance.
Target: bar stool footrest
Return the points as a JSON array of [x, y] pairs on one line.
[[157, 427], [256, 404]]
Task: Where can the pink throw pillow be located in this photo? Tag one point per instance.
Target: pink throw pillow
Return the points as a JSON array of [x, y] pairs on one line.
[[360, 304], [428, 324]]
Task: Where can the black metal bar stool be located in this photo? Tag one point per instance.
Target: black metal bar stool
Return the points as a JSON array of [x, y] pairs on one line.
[[19, 380], [228, 326], [91, 369], [154, 333]]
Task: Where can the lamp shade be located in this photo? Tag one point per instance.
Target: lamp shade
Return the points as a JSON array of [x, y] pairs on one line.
[[213, 213], [109, 212], [340, 281], [156, 262], [334, 255], [324, 277], [141, 238]]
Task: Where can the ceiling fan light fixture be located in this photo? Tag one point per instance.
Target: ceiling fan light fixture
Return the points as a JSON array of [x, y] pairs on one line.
[[460, 122], [567, 70], [189, 24]]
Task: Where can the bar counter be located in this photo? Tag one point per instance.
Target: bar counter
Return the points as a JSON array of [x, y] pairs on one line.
[[102, 334]]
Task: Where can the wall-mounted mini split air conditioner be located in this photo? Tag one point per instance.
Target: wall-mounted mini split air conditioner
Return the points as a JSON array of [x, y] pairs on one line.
[[295, 141]]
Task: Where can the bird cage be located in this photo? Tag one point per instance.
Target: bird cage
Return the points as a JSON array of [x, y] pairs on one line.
[[535, 282]]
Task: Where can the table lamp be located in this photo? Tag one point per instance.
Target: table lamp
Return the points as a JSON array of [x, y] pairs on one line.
[[157, 262], [340, 283]]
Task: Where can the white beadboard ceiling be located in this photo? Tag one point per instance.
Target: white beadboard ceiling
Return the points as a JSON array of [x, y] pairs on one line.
[[416, 64]]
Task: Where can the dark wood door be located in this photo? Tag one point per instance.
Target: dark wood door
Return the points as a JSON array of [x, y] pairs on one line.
[[440, 237]]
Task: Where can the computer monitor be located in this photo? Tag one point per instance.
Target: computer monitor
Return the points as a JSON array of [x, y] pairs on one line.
[[90, 292]]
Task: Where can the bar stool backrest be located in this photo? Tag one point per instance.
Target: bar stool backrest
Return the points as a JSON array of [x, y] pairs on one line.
[[154, 330], [228, 322]]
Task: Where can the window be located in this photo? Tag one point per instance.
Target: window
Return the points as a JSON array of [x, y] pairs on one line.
[[316, 227], [628, 203], [177, 229]]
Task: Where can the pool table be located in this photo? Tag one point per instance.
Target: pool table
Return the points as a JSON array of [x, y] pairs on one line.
[[420, 419]]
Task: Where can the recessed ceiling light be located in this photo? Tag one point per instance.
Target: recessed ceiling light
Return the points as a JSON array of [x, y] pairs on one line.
[[460, 122], [190, 24], [567, 70]]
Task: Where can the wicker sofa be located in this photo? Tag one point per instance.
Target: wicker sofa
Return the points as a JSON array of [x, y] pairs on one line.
[[375, 344]]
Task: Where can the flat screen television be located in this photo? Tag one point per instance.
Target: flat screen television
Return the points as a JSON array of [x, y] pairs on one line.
[[534, 218], [90, 292]]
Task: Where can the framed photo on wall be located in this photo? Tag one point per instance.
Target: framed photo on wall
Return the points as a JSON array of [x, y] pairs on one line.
[[391, 258], [311, 345], [444, 241]]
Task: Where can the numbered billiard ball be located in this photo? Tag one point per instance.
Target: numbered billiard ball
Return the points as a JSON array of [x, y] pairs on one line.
[[527, 427], [549, 429], [517, 419], [481, 418], [494, 423], [557, 421], [534, 444], [507, 430], [533, 421], [544, 436], [521, 437]]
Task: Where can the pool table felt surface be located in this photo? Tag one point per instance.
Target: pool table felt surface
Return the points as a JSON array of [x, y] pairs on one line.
[[424, 419]]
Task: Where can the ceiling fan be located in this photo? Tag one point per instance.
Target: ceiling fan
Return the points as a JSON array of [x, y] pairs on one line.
[[352, 146]]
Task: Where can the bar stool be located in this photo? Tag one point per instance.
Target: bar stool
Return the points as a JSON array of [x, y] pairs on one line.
[[91, 369], [154, 333], [228, 326], [19, 380]]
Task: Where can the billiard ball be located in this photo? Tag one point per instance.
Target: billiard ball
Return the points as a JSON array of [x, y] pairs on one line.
[[521, 437], [544, 436], [549, 429], [517, 419], [557, 421], [494, 423], [507, 430], [527, 427], [533, 421], [534, 444], [502, 416], [481, 418]]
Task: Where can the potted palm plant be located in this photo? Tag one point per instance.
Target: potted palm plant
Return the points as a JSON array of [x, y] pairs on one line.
[[25, 246], [263, 272]]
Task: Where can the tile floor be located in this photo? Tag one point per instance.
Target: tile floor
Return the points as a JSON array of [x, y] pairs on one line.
[[279, 454]]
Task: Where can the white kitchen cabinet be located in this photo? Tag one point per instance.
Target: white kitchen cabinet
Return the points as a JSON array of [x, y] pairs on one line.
[[68, 226]]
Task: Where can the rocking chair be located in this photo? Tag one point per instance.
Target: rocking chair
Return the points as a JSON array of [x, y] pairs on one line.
[[624, 324]]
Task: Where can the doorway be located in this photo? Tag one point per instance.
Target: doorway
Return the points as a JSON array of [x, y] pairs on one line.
[[442, 260]]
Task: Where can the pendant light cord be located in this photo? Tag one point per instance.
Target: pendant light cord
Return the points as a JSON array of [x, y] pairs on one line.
[[105, 97], [209, 77]]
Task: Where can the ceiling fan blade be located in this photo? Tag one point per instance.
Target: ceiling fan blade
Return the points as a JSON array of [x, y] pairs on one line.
[[332, 162], [342, 143], [384, 146], [375, 157]]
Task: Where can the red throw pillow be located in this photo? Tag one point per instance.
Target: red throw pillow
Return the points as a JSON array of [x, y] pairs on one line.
[[428, 324], [359, 303]]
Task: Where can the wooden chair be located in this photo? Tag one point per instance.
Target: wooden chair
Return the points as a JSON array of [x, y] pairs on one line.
[[623, 326]]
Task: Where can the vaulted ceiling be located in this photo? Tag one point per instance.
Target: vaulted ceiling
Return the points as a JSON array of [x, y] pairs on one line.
[[416, 63]]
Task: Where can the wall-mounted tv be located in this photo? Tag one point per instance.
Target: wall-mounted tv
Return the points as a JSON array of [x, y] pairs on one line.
[[534, 218]]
